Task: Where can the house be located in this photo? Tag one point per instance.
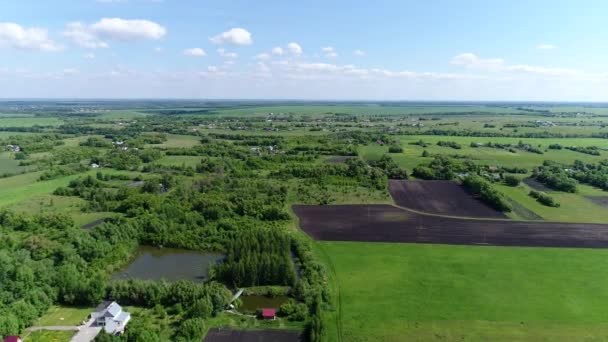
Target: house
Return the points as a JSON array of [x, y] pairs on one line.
[[94, 166], [13, 339], [111, 317], [13, 148], [269, 313]]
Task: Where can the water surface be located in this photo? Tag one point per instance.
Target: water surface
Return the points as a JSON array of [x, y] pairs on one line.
[[171, 264]]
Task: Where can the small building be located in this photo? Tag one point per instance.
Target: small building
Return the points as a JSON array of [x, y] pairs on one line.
[[269, 313], [13, 339], [111, 317], [13, 148], [94, 166]]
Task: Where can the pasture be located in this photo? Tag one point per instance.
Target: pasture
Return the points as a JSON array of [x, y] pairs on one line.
[[416, 292]]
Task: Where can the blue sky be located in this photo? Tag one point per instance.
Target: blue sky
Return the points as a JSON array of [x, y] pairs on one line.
[[392, 50]]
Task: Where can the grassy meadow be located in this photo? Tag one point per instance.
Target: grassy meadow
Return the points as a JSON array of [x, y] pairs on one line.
[[409, 292]]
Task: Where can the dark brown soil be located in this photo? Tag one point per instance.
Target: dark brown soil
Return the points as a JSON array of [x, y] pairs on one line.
[[536, 185], [599, 200], [439, 197], [337, 159], [266, 335], [385, 223]]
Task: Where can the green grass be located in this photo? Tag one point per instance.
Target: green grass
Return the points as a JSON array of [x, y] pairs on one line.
[[177, 140], [573, 207], [50, 336], [192, 161], [411, 156], [29, 121], [395, 292], [62, 315]]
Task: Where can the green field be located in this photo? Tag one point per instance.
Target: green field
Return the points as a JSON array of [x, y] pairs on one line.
[[29, 121], [411, 156], [61, 315], [405, 292], [50, 336]]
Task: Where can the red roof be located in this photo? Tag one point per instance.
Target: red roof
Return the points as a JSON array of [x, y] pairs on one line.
[[269, 313], [12, 339]]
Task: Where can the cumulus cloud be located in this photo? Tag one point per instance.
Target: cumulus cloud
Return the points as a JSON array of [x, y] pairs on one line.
[[18, 37], [262, 57], [83, 36], [294, 48], [329, 52], [359, 53], [222, 52], [472, 61], [545, 46], [236, 36], [128, 30], [97, 34], [194, 52], [277, 51]]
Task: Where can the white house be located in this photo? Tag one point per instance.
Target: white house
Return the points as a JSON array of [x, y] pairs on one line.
[[111, 317]]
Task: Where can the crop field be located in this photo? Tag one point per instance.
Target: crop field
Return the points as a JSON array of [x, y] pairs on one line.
[[384, 223], [439, 197], [267, 335], [422, 292]]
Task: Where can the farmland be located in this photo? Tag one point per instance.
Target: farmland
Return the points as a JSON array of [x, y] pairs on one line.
[[357, 221]]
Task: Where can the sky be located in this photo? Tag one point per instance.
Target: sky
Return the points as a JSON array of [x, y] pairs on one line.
[[498, 50]]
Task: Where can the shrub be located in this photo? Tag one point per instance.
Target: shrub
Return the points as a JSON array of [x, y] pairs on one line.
[[511, 180]]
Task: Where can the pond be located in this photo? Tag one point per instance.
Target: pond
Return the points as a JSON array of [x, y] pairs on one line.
[[253, 302], [171, 264]]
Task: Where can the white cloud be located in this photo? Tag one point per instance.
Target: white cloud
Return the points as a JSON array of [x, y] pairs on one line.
[[128, 30], [158, 49], [471, 61], [89, 56], [94, 36], [277, 51], [294, 48], [359, 53], [222, 52], [330, 52], [82, 36], [262, 57], [18, 37], [194, 52], [236, 36], [545, 46]]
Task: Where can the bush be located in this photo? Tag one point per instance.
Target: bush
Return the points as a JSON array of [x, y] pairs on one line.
[[544, 199], [395, 149], [511, 180], [481, 188]]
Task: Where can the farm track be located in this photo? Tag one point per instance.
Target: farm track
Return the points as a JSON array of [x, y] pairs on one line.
[[385, 223]]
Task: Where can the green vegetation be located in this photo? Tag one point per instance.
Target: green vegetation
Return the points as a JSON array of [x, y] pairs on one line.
[[465, 292], [222, 177]]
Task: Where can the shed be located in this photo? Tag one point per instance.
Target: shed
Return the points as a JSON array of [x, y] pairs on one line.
[[12, 339], [269, 313]]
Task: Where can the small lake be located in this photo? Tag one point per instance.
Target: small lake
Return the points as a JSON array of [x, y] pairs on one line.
[[253, 302], [171, 264]]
